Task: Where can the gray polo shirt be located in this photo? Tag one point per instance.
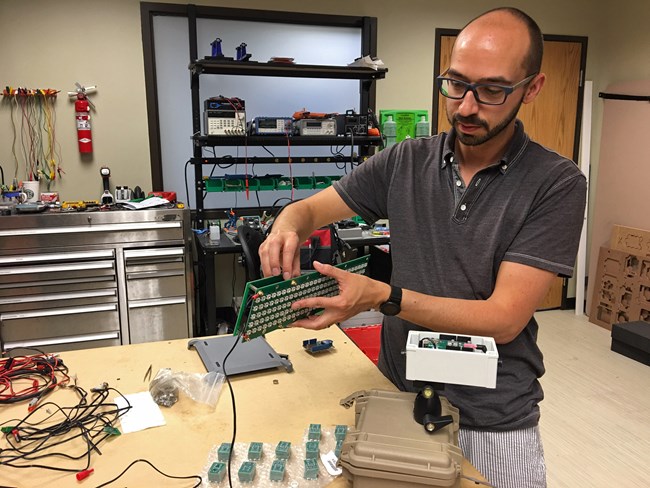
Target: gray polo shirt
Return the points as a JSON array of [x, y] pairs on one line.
[[449, 241]]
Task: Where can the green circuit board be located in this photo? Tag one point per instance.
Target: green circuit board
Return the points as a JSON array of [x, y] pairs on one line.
[[266, 304]]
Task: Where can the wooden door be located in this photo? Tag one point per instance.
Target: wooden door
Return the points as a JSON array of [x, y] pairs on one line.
[[552, 120]]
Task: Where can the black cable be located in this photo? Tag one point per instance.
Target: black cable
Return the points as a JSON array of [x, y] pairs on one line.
[[89, 422], [156, 469], [215, 165], [234, 273], [264, 147], [187, 190], [257, 196], [234, 410], [232, 393], [351, 150]]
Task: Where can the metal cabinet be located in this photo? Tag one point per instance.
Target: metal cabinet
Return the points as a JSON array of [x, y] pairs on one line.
[[70, 281], [64, 297], [156, 293]]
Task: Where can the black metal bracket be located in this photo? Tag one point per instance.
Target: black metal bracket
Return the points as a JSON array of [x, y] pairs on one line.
[[618, 96]]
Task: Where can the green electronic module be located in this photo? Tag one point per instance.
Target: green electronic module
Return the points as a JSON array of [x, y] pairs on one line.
[[266, 305]]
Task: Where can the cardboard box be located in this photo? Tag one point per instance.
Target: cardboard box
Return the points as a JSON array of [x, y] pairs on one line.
[[621, 291], [628, 239]]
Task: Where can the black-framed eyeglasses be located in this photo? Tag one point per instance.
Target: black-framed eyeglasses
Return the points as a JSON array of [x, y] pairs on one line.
[[485, 93]]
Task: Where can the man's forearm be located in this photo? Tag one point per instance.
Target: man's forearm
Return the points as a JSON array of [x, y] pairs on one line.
[[519, 291], [458, 316]]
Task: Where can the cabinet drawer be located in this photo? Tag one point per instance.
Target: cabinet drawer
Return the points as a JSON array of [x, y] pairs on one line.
[[99, 233], [157, 320], [31, 275], [70, 343], [155, 273], [53, 323], [25, 302], [45, 287], [158, 284]]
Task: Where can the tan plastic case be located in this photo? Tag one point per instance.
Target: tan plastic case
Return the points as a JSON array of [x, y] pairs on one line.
[[389, 449]]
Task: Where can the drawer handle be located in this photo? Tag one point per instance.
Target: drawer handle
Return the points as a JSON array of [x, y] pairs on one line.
[[82, 229], [64, 256], [152, 253], [58, 268], [149, 275], [58, 296], [157, 302], [109, 307]]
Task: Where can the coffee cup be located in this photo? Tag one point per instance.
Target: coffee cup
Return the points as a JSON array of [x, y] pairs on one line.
[[30, 191]]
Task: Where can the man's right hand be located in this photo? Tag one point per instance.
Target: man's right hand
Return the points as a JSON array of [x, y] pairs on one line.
[[280, 253]]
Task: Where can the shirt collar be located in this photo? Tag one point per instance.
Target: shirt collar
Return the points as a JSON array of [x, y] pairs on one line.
[[509, 159]]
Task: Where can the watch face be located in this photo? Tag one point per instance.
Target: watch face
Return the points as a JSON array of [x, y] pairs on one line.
[[390, 308]]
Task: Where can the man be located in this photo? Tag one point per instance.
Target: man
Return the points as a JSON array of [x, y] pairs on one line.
[[482, 219]]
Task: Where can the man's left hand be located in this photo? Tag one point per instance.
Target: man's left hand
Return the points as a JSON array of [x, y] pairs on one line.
[[357, 293]]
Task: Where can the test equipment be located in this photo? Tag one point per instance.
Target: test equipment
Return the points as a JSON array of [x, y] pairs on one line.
[[223, 116], [315, 127], [351, 123], [271, 126]]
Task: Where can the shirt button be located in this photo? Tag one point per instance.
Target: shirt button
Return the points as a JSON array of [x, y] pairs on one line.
[[451, 159], [459, 183], [463, 207], [504, 167]]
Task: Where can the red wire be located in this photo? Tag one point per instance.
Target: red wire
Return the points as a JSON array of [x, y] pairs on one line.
[[38, 375], [290, 167], [237, 109]]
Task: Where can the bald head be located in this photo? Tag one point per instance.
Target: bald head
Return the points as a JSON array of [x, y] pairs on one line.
[[513, 29]]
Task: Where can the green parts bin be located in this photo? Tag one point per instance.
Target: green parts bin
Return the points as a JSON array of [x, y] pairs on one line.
[[322, 181], [268, 183], [303, 182]]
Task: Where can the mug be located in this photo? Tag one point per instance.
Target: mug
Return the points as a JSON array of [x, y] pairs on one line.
[[30, 191]]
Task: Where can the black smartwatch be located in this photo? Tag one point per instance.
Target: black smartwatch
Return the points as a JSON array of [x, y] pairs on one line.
[[393, 305]]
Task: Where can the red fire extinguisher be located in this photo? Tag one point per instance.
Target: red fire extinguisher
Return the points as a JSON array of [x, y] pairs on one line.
[[82, 114], [82, 108]]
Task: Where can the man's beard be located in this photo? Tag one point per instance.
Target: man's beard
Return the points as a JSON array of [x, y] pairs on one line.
[[476, 140]]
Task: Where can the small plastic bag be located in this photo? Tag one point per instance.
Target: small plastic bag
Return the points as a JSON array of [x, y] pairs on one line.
[[200, 387]]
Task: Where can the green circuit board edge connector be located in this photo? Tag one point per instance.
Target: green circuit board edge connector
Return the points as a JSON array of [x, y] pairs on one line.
[[266, 304]]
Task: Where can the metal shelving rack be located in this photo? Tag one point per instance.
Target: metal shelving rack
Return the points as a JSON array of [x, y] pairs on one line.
[[366, 77]]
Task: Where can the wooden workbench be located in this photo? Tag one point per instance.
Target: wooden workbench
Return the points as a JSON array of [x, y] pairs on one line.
[[271, 406]]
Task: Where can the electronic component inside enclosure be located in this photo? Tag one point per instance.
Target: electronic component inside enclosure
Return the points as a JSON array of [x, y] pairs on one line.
[[447, 358], [267, 302]]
